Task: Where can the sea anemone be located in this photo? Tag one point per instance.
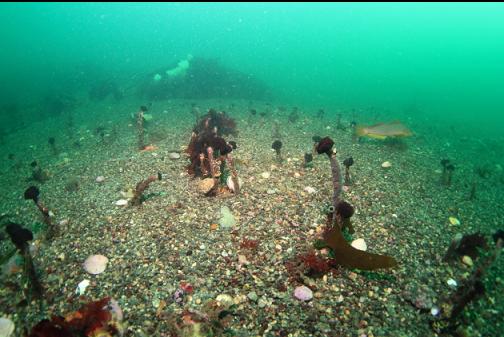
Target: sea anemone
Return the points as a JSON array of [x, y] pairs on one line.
[[19, 235], [277, 145], [32, 193], [308, 158], [325, 146], [345, 210], [348, 162]]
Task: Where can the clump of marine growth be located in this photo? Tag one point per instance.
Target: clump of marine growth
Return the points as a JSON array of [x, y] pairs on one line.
[[447, 173], [348, 163], [277, 146], [20, 237], [138, 194], [140, 119], [52, 146], [210, 154], [99, 318], [38, 174], [32, 193], [339, 218], [470, 290]]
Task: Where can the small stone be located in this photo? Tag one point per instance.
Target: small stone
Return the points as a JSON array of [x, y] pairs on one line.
[[359, 244], [386, 164], [434, 311], [225, 299], [174, 155], [452, 283], [297, 175], [6, 327], [253, 296], [265, 175], [303, 293], [204, 186], [100, 179], [467, 260], [309, 190], [271, 191], [227, 219], [242, 259]]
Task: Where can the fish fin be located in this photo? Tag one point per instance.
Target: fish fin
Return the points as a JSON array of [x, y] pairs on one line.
[[376, 136]]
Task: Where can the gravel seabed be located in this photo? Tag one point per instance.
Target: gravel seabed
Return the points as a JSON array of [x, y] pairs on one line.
[[401, 211]]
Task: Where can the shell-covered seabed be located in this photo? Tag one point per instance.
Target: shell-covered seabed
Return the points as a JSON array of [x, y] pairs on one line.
[[172, 239]]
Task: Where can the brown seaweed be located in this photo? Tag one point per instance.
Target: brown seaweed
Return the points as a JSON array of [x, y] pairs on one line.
[[350, 257], [138, 196]]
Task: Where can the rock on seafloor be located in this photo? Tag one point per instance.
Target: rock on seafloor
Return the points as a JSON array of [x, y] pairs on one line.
[[227, 219], [6, 327], [303, 293]]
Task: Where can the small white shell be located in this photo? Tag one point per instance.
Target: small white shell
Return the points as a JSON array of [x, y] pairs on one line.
[[81, 287], [121, 202], [359, 244], [452, 283]]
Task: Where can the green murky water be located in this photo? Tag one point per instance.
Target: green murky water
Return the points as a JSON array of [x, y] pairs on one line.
[[72, 79]]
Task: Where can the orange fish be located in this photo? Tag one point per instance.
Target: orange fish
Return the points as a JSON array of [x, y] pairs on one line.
[[383, 130], [149, 148]]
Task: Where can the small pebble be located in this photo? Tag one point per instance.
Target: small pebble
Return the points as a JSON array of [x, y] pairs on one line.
[[265, 175], [452, 283], [309, 189], [303, 293], [252, 296], [100, 179], [174, 155], [467, 260], [386, 164]]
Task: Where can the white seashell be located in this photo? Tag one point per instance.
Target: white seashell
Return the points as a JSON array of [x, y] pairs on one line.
[[6, 327], [359, 244], [386, 164], [95, 264], [452, 283], [309, 189], [121, 202], [81, 287], [230, 183]]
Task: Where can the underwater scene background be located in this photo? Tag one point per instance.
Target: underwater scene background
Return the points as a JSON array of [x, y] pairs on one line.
[[266, 169]]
